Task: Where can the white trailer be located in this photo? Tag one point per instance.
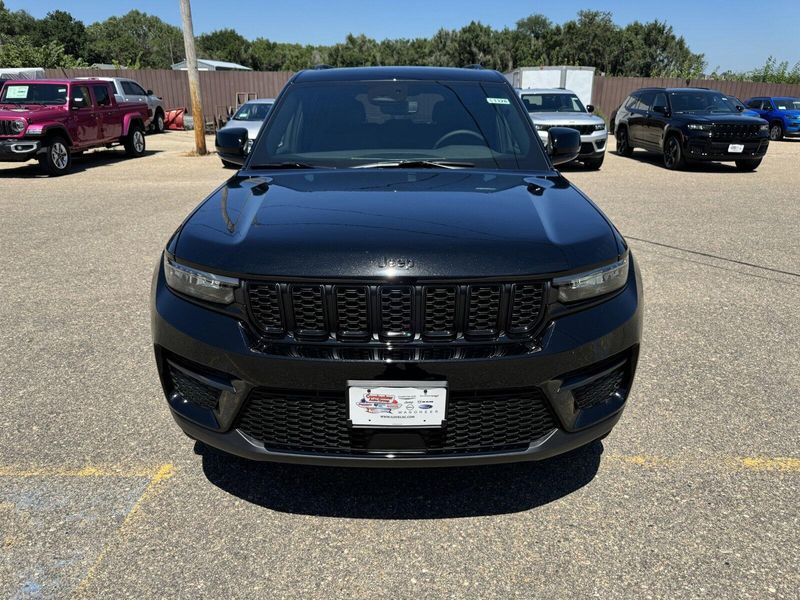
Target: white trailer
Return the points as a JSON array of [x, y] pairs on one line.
[[27, 73], [578, 79]]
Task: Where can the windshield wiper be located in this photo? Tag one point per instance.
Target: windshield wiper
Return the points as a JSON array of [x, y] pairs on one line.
[[285, 165], [415, 164]]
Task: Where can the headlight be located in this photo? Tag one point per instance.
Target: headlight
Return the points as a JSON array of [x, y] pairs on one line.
[[17, 126], [592, 283], [763, 128], [541, 127], [700, 126], [599, 126], [199, 284]]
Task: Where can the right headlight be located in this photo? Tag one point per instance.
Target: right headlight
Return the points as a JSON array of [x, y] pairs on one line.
[[700, 126], [596, 282], [199, 284], [17, 126]]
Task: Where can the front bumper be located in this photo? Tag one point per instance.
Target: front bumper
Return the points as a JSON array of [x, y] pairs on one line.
[[575, 350], [18, 149], [700, 147], [792, 129]]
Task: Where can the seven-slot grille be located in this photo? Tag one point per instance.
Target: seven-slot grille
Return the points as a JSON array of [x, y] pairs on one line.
[[5, 127], [359, 313], [317, 421], [734, 131]]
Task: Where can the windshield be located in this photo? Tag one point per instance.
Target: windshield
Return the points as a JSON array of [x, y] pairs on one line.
[[702, 101], [552, 103], [347, 124], [34, 93], [252, 111], [787, 103]]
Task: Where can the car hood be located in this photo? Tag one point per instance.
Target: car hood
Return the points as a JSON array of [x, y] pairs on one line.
[[566, 119], [347, 223], [30, 112]]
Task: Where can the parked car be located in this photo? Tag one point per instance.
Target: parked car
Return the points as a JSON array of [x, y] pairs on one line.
[[690, 124], [562, 108], [128, 90], [782, 114], [50, 120], [249, 116], [398, 275]]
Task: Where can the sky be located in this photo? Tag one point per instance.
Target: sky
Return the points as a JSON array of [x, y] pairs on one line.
[[732, 34]]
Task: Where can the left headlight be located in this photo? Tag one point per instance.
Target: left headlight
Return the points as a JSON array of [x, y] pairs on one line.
[[596, 282], [199, 284], [599, 126], [17, 126]]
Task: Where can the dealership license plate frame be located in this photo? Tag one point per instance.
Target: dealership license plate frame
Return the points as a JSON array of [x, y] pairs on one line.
[[735, 148], [414, 393]]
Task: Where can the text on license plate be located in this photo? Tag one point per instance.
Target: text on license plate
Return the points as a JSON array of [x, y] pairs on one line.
[[396, 404]]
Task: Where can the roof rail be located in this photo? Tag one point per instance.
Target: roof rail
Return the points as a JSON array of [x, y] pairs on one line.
[[474, 66], [321, 67]]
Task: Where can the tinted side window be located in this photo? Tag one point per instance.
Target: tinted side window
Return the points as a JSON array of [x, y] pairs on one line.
[[101, 95], [645, 100], [127, 88], [754, 103], [80, 96], [660, 100], [629, 101], [133, 89]]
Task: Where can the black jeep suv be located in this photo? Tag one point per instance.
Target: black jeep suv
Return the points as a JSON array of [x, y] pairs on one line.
[[690, 124], [397, 276]]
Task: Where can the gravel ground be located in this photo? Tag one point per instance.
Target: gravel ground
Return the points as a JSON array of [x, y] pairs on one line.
[[694, 495]]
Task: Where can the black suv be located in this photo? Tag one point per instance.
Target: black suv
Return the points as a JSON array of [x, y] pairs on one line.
[[690, 124], [397, 276]]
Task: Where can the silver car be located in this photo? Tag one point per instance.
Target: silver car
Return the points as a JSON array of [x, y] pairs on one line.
[[127, 90], [562, 108], [250, 116]]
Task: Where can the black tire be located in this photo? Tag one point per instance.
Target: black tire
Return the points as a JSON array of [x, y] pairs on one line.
[[776, 131], [134, 142], [593, 164], [158, 122], [230, 165], [748, 164], [673, 154], [624, 147], [55, 159]]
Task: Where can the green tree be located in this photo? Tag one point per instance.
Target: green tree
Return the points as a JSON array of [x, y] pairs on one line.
[[225, 44], [21, 52], [135, 39], [61, 27]]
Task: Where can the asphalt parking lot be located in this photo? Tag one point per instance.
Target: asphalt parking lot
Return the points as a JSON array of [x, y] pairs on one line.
[[694, 494]]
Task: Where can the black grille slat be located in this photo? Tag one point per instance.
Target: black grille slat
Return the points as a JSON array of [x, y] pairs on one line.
[[526, 307], [308, 309], [352, 311], [599, 390], [724, 132], [265, 307], [191, 389], [440, 311], [397, 311], [5, 127], [481, 421], [376, 313], [483, 310]]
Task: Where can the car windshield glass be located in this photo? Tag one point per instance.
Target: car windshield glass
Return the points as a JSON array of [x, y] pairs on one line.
[[552, 103], [701, 101], [787, 103], [252, 111], [347, 124], [34, 93]]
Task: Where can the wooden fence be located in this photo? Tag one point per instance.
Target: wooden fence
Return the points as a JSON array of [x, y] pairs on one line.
[[222, 90]]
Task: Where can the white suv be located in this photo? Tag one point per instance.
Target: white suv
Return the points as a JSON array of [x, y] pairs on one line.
[[562, 108], [127, 90]]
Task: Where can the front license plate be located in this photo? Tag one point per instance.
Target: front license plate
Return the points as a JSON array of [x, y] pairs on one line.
[[736, 148], [397, 403]]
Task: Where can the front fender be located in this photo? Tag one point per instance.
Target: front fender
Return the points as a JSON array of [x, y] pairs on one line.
[[129, 119], [48, 128]]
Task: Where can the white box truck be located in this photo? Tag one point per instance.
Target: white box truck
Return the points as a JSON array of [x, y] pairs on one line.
[[578, 79]]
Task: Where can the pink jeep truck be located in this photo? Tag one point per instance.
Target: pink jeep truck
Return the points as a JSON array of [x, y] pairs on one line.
[[51, 120]]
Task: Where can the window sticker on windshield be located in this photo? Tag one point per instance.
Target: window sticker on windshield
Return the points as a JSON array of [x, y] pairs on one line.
[[17, 91], [62, 90], [498, 100]]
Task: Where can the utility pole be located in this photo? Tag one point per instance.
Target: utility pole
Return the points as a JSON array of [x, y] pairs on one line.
[[194, 79]]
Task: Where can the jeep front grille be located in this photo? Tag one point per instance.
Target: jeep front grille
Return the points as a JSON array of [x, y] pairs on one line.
[[396, 313]]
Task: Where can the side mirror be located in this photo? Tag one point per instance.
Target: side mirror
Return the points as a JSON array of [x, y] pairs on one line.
[[231, 143], [590, 108], [740, 108], [149, 92], [563, 144], [662, 110]]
